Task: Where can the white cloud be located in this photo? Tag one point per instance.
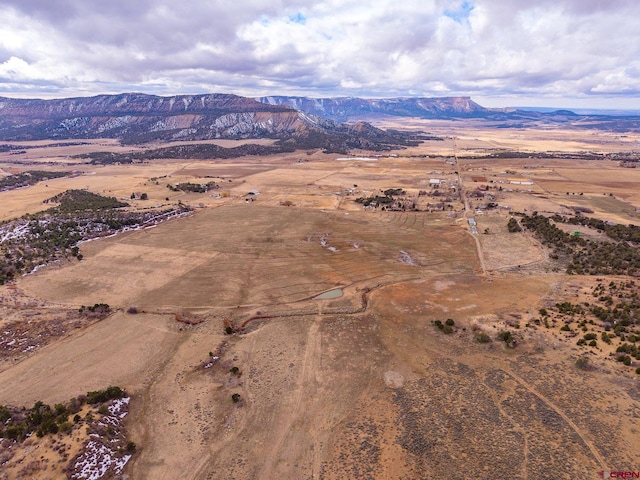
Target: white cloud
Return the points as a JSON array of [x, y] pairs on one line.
[[582, 49]]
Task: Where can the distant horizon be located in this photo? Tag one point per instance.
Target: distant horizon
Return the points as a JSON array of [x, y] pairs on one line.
[[583, 111], [484, 102]]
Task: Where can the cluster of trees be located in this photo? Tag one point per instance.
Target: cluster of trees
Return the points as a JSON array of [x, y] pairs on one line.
[[388, 200], [513, 226], [376, 199], [615, 308], [616, 231], [81, 200], [193, 187], [605, 258], [551, 235], [101, 396], [5, 147], [590, 257], [195, 151], [618, 307], [335, 139], [568, 308], [589, 337], [44, 237], [446, 327], [27, 178], [99, 310], [519, 154], [42, 419], [629, 351]]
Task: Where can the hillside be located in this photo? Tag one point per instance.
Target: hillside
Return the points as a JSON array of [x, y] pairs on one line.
[[135, 118]]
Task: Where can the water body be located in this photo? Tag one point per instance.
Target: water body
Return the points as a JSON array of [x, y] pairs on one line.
[[335, 293]]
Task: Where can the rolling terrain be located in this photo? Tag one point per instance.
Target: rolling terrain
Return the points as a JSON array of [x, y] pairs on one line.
[[327, 316]]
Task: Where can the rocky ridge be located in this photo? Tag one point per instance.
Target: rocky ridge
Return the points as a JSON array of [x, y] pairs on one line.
[[135, 118], [346, 108]]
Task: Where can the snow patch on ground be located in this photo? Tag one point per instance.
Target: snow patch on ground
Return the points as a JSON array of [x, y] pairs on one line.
[[406, 258], [103, 456]]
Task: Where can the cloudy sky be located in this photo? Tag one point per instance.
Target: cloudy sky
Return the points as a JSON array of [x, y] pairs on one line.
[[560, 53]]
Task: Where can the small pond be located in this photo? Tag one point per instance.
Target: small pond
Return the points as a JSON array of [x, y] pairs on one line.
[[335, 293]]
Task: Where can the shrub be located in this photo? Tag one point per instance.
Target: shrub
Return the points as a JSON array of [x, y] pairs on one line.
[[14, 432], [235, 397], [582, 363], [5, 414], [450, 322], [505, 336], [65, 427], [482, 337]]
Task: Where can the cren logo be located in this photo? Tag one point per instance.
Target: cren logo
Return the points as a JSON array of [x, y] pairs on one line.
[[619, 474]]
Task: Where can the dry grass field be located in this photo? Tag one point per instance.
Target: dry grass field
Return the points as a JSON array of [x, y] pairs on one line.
[[360, 386]]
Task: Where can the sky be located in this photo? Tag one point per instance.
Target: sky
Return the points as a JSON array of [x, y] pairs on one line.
[[556, 53]]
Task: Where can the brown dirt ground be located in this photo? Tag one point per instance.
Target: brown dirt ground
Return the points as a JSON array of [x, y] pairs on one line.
[[329, 389]]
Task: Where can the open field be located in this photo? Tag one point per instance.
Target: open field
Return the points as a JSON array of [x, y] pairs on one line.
[[361, 385]]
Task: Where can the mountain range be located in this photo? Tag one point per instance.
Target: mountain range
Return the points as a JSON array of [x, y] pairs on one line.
[[302, 122], [348, 108]]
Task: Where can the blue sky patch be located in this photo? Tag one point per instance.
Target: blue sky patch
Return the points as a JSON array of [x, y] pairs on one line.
[[462, 13], [298, 18]]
